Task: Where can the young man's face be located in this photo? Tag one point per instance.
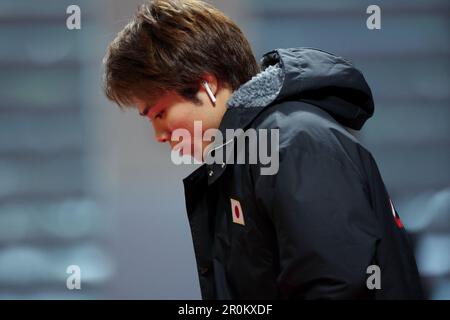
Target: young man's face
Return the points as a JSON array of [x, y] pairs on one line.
[[172, 112]]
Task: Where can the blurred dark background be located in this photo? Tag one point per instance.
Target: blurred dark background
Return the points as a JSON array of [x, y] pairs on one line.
[[84, 183]]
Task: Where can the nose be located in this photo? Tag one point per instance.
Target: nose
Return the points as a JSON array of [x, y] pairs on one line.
[[162, 137], [161, 133]]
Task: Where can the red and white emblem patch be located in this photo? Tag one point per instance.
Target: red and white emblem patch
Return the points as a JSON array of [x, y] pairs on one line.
[[236, 211], [396, 216]]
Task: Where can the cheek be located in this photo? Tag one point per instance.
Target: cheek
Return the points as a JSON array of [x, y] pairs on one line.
[[181, 118], [179, 121], [184, 118]]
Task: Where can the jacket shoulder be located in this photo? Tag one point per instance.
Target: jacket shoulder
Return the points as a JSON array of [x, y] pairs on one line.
[[307, 129], [304, 123]]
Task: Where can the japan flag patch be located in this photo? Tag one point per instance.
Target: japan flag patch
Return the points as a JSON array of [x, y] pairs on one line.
[[236, 211]]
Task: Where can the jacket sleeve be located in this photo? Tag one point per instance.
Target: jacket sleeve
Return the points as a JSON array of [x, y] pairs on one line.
[[324, 223]]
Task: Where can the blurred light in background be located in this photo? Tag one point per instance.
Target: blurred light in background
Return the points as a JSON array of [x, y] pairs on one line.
[[49, 217]]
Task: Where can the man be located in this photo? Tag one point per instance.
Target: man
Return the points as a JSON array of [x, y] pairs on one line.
[[323, 226]]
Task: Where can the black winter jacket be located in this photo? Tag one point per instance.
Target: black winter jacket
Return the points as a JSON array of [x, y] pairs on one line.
[[313, 229]]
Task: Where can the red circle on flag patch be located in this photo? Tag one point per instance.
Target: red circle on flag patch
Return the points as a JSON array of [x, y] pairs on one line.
[[236, 211]]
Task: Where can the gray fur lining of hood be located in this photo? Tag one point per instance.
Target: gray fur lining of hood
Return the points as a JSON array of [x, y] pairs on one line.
[[260, 90]]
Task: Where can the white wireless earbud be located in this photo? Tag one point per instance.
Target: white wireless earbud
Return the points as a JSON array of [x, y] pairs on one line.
[[209, 92]]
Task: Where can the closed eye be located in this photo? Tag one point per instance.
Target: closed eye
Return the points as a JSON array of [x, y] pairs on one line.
[[159, 115]]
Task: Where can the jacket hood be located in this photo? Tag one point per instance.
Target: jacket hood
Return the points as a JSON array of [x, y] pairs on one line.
[[312, 76]]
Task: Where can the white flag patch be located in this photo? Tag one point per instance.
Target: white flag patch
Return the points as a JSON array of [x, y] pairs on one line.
[[236, 211]]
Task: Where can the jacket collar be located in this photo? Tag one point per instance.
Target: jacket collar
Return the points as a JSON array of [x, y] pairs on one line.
[[244, 105]]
